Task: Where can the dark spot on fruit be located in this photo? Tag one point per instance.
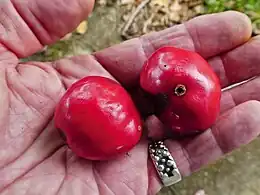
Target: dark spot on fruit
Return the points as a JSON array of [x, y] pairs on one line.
[[161, 102], [143, 101], [180, 90]]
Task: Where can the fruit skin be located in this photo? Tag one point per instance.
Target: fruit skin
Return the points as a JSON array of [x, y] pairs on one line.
[[98, 119], [197, 109]]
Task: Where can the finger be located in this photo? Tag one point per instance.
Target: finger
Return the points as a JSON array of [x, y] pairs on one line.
[[201, 34], [126, 170], [26, 26], [209, 40], [234, 128], [72, 69], [239, 64], [249, 90]]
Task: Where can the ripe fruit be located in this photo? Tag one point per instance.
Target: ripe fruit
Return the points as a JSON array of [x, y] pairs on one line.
[[187, 90], [98, 119]]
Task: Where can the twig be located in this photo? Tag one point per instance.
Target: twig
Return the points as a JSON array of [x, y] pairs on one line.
[[133, 16], [147, 22]]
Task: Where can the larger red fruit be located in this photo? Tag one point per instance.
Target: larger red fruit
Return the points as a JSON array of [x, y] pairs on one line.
[[98, 118], [188, 89]]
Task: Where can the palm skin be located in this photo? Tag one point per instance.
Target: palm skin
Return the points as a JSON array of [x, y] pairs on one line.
[[34, 159]]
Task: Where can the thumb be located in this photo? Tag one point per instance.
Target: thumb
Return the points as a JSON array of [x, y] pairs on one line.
[[28, 25]]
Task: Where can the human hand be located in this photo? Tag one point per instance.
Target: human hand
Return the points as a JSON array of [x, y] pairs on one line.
[[34, 158]]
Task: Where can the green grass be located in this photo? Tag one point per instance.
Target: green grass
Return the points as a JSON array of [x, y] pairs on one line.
[[239, 5], [249, 7]]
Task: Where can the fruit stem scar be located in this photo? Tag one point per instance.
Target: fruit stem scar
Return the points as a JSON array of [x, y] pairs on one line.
[[180, 90]]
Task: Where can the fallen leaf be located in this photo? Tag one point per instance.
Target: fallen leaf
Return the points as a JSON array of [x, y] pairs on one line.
[[82, 28], [200, 192], [162, 3], [124, 2], [175, 6]]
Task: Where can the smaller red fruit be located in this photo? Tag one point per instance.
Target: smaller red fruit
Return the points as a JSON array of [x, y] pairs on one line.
[[188, 88], [98, 119]]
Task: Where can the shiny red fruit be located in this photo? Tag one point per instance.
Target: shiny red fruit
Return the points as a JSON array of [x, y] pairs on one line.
[[188, 89], [98, 119]]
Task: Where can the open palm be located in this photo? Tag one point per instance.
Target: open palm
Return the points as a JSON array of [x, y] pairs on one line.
[[34, 159]]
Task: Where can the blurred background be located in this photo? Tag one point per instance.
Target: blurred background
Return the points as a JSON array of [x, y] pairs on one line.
[[114, 21]]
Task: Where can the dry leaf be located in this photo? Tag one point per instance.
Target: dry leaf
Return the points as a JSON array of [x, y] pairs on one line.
[[199, 9], [161, 3], [102, 2], [82, 28], [174, 16], [200, 192], [166, 13], [175, 6], [124, 2]]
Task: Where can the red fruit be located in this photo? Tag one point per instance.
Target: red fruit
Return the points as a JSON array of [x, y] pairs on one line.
[[189, 88], [98, 119]]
